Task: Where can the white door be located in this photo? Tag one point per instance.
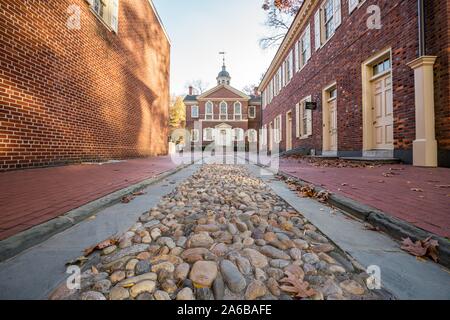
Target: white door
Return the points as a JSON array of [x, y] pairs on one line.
[[333, 125], [223, 138], [383, 116]]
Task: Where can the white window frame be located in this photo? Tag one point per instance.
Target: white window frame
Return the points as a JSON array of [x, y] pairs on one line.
[[208, 134], [304, 46], [354, 4], [263, 135], [237, 116], [320, 30], [303, 119], [220, 110], [278, 128], [193, 114], [195, 135], [238, 134], [107, 11], [209, 115], [252, 114], [252, 136]]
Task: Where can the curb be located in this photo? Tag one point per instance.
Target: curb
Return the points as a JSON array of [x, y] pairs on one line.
[[18, 243], [394, 227]]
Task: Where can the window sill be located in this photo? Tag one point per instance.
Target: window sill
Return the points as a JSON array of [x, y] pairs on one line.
[[107, 26]]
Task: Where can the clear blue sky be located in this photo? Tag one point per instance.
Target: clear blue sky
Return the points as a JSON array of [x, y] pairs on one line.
[[200, 29]]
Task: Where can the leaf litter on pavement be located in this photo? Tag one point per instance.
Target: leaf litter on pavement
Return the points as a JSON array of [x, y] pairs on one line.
[[422, 248]]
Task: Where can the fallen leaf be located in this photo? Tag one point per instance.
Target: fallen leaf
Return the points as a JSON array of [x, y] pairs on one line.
[[422, 248], [370, 227], [127, 199], [80, 261], [94, 270], [416, 190], [100, 246], [296, 286], [323, 196]]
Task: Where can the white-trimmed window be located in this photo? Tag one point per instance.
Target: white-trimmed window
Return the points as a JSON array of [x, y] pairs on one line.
[[223, 111], [252, 112], [290, 66], [303, 119], [237, 111], [353, 4], [304, 48], [238, 134], [382, 67], [209, 111], [263, 135], [107, 11], [326, 20], [278, 129], [208, 134], [195, 135], [280, 79], [194, 112], [252, 135]]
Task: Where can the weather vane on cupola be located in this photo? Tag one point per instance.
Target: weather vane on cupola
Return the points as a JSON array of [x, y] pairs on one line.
[[224, 76]]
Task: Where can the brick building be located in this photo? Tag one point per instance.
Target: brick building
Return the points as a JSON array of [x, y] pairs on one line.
[[81, 80], [354, 78], [223, 115]]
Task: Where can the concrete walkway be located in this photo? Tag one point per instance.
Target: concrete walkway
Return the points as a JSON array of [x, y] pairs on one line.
[[402, 274], [35, 273], [32, 197], [420, 196]]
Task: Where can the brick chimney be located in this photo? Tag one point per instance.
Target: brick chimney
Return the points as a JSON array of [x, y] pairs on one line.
[[255, 91], [191, 90]]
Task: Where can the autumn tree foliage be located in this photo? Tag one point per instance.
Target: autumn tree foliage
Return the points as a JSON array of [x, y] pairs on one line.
[[280, 14], [177, 113]]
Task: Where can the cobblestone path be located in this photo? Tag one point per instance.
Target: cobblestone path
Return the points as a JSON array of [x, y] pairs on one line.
[[223, 234]]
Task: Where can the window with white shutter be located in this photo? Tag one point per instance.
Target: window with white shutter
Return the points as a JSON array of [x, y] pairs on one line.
[[317, 32], [305, 47], [304, 119], [352, 5], [107, 11], [337, 14], [297, 120], [115, 15]]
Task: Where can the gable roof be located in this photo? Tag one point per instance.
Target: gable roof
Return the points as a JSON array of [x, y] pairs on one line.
[[239, 94]]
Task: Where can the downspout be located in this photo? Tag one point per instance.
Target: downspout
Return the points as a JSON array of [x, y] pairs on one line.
[[421, 22]]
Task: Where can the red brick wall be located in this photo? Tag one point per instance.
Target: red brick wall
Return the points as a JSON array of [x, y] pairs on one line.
[[437, 19], [80, 95], [340, 60]]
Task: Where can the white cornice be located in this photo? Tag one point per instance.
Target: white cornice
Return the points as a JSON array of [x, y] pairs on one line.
[[160, 21]]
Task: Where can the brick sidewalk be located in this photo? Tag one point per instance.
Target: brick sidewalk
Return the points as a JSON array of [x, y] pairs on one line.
[[31, 197], [429, 210]]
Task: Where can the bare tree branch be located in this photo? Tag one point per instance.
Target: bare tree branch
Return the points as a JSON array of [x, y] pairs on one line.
[[280, 14]]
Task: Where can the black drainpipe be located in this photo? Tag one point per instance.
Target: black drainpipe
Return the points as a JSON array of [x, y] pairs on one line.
[[421, 18]]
